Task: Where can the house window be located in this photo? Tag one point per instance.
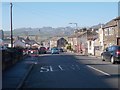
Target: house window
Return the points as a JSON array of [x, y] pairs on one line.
[[111, 31], [90, 43], [106, 32]]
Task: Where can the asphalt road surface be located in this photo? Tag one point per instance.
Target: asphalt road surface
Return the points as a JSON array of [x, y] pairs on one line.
[[71, 71]]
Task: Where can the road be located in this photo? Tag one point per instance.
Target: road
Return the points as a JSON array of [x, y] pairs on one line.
[[67, 70]]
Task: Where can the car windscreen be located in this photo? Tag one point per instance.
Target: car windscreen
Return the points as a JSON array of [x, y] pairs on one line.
[[54, 49]]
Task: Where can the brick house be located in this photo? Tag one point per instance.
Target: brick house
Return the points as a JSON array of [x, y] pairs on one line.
[[62, 42], [111, 32], [118, 29], [58, 42], [78, 41], [53, 42]]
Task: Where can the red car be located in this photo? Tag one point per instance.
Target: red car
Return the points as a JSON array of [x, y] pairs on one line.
[[33, 52]]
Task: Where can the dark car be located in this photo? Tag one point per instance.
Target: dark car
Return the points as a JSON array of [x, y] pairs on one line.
[[61, 50], [111, 54], [42, 50]]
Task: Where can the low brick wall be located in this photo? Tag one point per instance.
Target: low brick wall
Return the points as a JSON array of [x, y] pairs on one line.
[[11, 57]]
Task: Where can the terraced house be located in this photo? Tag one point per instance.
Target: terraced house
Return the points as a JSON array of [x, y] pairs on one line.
[[111, 32]]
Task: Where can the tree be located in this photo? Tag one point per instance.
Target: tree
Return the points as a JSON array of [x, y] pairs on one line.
[[69, 47]]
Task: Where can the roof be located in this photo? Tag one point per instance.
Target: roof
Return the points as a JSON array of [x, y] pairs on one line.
[[77, 35], [54, 38], [27, 40], [111, 23], [31, 42], [118, 18], [91, 35]]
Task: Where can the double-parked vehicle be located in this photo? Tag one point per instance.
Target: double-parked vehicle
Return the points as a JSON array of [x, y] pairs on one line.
[[111, 54]]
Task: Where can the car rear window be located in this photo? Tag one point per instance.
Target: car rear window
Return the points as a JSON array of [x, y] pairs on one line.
[[42, 48], [54, 49], [116, 48]]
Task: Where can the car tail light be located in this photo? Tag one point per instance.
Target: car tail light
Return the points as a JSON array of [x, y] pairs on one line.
[[118, 52], [31, 51]]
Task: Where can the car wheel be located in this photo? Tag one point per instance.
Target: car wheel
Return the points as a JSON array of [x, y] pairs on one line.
[[112, 60]]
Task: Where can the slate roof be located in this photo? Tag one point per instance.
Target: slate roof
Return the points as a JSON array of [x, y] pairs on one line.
[[90, 35], [111, 23], [118, 18], [28, 41]]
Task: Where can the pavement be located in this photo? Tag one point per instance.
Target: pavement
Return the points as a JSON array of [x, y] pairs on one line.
[[99, 57], [15, 75]]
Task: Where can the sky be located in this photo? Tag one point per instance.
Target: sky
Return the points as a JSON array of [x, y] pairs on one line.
[[57, 14]]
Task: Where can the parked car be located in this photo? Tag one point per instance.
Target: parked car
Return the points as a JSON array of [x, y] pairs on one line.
[[61, 50], [54, 50], [42, 50], [33, 52], [111, 54]]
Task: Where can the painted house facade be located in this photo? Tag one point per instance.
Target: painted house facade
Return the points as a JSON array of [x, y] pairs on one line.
[[92, 37], [53, 42]]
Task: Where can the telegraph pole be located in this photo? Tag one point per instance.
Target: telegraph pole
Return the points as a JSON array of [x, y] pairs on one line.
[[11, 25]]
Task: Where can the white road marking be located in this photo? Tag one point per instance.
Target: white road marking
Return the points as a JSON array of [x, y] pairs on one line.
[[98, 70], [51, 68], [44, 69], [60, 67]]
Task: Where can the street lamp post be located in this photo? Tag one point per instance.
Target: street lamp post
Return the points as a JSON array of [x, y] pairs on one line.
[[11, 25], [75, 25], [76, 34]]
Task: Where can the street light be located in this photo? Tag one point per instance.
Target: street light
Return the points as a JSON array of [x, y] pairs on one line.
[[75, 24], [11, 25], [75, 33]]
